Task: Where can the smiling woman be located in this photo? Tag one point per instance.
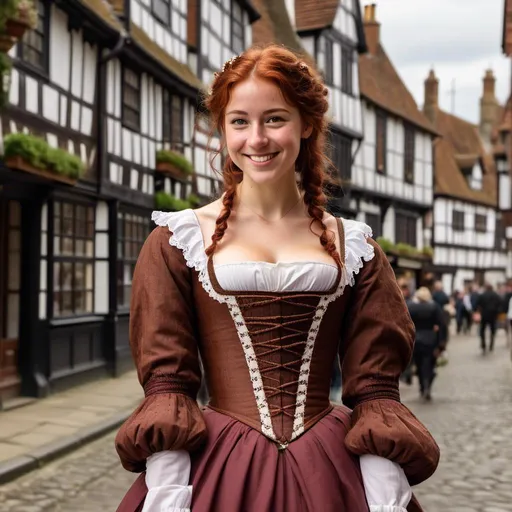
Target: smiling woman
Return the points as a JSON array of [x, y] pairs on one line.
[[279, 289]]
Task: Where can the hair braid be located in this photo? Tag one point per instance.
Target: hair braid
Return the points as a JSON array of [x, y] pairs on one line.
[[221, 223]]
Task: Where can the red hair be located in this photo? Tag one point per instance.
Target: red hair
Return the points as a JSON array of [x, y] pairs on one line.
[[303, 88]]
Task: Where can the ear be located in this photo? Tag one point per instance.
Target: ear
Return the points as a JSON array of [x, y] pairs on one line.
[[306, 131]]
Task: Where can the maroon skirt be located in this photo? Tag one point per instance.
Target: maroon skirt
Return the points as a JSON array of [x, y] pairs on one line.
[[240, 470]]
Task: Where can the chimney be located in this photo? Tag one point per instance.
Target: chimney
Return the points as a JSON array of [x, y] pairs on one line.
[[489, 109], [371, 28], [431, 105]]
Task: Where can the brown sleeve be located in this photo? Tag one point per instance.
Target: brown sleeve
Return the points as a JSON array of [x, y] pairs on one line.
[[376, 347], [165, 352]]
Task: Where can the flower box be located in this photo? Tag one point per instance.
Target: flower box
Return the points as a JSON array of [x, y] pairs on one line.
[[18, 163], [16, 28], [172, 170]]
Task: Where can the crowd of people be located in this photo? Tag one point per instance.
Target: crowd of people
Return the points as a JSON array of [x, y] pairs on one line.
[[432, 311]]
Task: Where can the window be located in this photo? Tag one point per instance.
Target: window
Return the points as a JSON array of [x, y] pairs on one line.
[[173, 121], [381, 142], [405, 229], [409, 146], [329, 65], [33, 48], [162, 10], [132, 232], [341, 155], [237, 28], [480, 223], [73, 267], [373, 220], [347, 67], [499, 235], [131, 99], [458, 220]]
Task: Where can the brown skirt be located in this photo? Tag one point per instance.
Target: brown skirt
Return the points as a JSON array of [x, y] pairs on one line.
[[240, 470]]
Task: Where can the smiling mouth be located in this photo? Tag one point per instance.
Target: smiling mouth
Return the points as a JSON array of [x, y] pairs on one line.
[[263, 158]]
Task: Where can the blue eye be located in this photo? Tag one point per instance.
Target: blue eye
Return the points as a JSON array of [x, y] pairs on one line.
[[238, 122]]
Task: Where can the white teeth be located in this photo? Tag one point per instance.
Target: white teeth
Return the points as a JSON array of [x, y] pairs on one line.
[[262, 159]]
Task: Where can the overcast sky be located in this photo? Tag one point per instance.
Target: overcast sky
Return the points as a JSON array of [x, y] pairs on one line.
[[460, 39]]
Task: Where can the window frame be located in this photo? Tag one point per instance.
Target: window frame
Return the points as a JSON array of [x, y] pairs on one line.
[[44, 65], [374, 220], [156, 5], [173, 113], [409, 153], [480, 223], [135, 126], [406, 225], [122, 260], [380, 141], [240, 24], [329, 61], [458, 220], [347, 69], [341, 154], [73, 258]]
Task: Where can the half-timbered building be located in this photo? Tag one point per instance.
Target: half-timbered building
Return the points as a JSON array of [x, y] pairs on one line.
[[467, 235], [111, 82], [392, 179], [54, 241], [333, 35]]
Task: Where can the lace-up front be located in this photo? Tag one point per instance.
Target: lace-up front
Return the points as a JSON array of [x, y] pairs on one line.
[[279, 326]]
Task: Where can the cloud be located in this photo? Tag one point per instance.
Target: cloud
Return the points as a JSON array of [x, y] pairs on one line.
[[460, 39]]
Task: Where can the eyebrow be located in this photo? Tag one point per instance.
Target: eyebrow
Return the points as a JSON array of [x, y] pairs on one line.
[[271, 111]]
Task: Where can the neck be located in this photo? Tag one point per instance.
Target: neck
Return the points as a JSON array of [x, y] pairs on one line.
[[270, 201]]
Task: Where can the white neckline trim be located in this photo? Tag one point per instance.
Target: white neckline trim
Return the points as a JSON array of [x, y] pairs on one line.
[[186, 235], [276, 264]]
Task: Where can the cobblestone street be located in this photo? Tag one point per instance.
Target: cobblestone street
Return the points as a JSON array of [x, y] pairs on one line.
[[470, 416]]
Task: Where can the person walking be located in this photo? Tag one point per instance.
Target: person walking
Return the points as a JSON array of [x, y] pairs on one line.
[[440, 297], [428, 319], [488, 304]]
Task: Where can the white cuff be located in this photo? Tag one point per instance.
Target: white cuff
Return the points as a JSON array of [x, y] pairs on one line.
[[385, 484], [386, 508], [167, 478]]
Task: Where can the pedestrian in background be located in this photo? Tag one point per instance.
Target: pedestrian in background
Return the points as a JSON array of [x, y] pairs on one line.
[[488, 305], [440, 297], [428, 319]]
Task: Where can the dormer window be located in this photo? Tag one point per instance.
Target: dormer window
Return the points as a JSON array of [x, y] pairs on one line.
[[475, 176]]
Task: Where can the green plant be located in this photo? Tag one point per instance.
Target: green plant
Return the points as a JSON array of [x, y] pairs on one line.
[[38, 153], [406, 249], [428, 251], [8, 10], [176, 159], [165, 201], [385, 244], [5, 79], [193, 200]]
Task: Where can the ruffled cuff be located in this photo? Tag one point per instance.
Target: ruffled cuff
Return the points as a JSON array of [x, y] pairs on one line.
[[169, 498], [388, 429], [165, 421]]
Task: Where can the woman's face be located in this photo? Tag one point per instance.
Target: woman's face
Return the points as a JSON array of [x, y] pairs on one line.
[[262, 131]]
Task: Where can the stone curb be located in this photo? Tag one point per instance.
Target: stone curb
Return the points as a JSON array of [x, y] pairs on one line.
[[38, 457]]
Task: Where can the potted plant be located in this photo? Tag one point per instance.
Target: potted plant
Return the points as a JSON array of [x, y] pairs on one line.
[[168, 202], [5, 79], [16, 17], [173, 163], [34, 155]]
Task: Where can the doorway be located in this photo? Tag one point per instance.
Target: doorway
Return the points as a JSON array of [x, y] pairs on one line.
[[10, 279]]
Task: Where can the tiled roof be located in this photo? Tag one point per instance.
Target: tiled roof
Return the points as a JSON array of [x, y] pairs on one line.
[[103, 10], [274, 25], [381, 84], [315, 14], [460, 141], [167, 60]]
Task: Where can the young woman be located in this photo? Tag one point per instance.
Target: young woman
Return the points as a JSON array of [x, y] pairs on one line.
[[268, 288]]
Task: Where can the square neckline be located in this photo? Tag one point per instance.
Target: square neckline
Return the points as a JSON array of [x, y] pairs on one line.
[[221, 291]]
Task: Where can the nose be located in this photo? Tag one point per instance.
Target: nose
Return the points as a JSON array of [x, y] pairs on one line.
[[257, 137]]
